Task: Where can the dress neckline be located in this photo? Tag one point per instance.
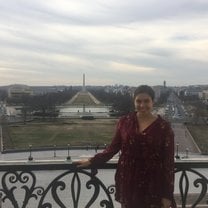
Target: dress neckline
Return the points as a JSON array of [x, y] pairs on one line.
[[148, 127]]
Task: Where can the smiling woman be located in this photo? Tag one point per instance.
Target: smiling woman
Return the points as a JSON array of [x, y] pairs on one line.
[[145, 171]]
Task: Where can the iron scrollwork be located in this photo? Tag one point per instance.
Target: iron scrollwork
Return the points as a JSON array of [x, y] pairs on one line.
[[9, 185], [184, 186], [69, 180], [76, 188]]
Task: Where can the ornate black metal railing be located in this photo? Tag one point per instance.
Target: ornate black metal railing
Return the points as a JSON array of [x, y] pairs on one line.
[[55, 184]]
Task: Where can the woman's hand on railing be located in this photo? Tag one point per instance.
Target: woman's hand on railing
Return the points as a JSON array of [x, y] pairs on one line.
[[82, 163], [166, 203]]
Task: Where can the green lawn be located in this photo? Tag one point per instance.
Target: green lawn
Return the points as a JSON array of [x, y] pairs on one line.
[[60, 134], [79, 132], [200, 135]]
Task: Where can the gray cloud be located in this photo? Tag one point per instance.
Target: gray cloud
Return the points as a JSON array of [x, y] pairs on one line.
[[99, 12], [55, 41]]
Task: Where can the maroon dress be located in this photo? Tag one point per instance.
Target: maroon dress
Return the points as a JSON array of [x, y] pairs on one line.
[[145, 171]]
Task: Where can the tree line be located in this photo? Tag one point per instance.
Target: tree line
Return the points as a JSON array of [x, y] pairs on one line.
[[45, 104], [121, 102]]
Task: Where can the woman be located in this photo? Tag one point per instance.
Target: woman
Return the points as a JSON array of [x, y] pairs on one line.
[[145, 171]]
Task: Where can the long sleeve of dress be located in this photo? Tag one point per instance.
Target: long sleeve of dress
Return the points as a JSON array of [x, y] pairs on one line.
[[168, 164], [111, 150]]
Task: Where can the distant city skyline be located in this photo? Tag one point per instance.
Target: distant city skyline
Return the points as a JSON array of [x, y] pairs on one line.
[[205, 86], [51, 42]]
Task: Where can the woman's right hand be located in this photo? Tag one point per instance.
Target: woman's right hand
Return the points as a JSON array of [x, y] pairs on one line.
[[82, 163]]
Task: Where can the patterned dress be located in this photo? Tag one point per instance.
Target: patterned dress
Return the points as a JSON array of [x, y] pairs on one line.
[[145, 170]]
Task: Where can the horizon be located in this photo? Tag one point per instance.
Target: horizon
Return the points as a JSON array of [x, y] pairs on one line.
[[113, 85]]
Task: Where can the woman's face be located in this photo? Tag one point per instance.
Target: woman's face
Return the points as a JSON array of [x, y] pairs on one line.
[[143, 103]]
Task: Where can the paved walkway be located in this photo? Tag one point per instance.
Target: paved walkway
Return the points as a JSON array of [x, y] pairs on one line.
[[184, 138]]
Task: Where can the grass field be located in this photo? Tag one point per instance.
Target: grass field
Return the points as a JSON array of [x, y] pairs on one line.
[[78, 132], [73, 132], [200, 135]]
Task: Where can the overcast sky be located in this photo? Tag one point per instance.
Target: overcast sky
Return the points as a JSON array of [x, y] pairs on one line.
[[53, 42]]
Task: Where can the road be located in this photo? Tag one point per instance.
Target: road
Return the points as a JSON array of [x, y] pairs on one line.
[[184, 139]]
